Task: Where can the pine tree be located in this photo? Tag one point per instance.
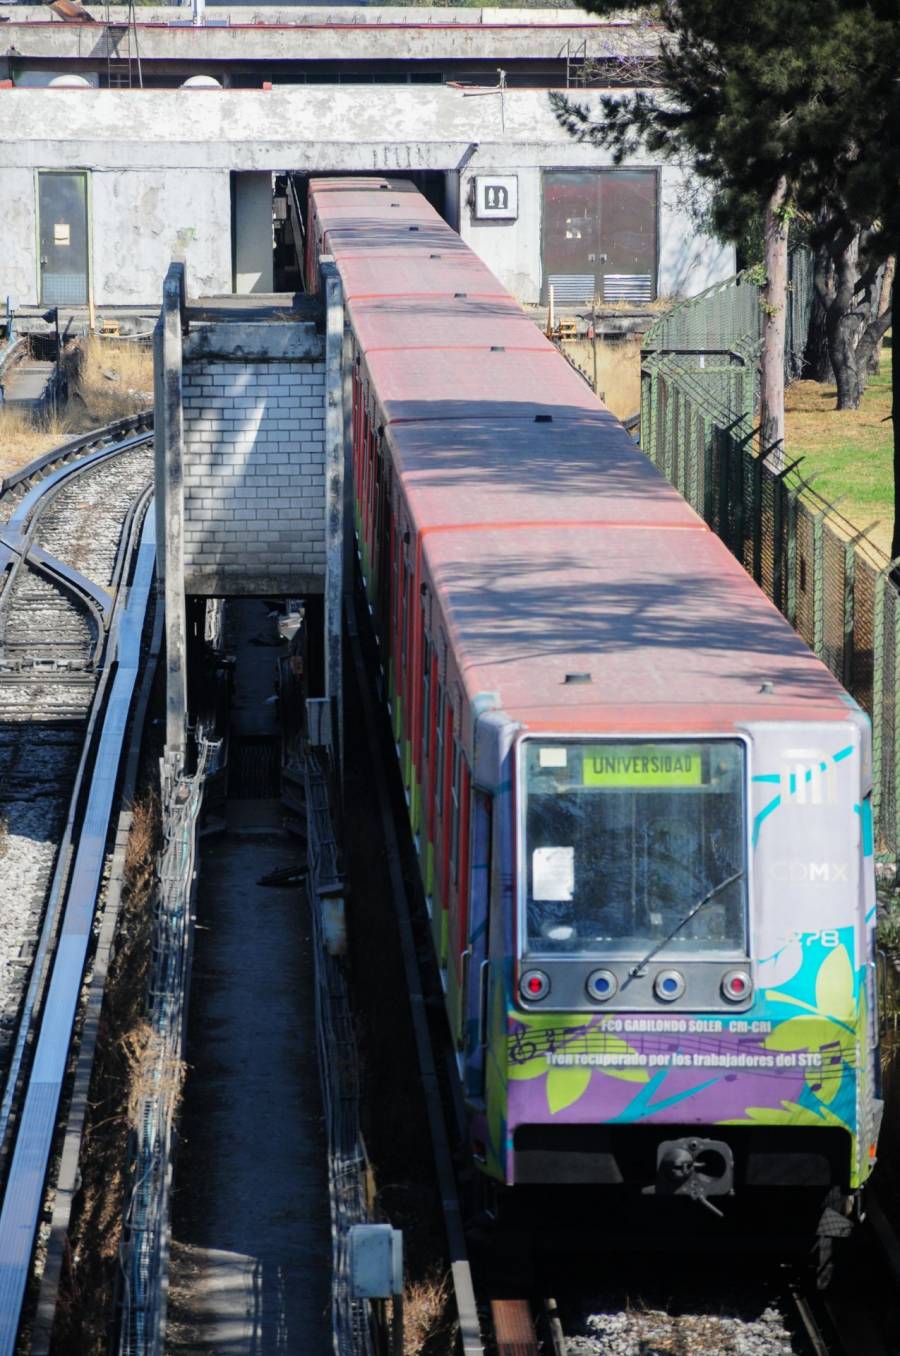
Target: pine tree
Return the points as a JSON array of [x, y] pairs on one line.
[[782, 105]]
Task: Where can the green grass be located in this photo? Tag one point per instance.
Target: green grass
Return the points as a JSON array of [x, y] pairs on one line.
[[849, 452]]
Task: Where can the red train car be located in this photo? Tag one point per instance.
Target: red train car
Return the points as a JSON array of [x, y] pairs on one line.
[[619, 759]]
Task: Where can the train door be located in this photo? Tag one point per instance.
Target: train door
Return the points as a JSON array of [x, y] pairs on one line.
[[475, 969]]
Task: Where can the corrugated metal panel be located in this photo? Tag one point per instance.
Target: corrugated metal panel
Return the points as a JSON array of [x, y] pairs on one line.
[[627, 287], [572, 289]]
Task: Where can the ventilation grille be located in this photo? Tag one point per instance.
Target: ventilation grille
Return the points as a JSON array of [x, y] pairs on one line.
[[571, 288], [628, 287]]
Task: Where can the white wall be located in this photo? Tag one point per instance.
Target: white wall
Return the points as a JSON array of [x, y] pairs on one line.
[[143, 219], [161, 161], [688, 260], [511, 249], [254, 476], [18, 238]]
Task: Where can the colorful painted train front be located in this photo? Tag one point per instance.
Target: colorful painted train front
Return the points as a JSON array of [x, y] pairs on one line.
[[642, 807]]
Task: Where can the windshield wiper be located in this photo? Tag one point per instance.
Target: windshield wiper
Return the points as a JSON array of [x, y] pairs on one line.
[[639, 970]]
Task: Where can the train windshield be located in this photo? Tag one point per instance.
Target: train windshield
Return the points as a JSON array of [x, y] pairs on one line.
[[623, 839]]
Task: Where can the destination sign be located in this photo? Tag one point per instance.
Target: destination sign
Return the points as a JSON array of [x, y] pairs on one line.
[[645, 765]]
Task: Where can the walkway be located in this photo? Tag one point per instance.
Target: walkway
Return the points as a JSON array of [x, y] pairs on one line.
[[251, 1263], [24, 388]]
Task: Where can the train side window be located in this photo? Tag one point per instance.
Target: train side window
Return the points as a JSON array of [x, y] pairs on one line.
[[370, 474], [465, 793], [404, 614], [360, 451], [384, 552], [355, 428], [415, 623], [455, 790], [396, 549], [377, 474], [446, 775], [439, 755], [426, 695], [404, 606], [433, 737]]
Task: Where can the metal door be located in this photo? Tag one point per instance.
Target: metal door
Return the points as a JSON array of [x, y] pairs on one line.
[[570, 236], [628, 235], [62, 214], [599, 235]]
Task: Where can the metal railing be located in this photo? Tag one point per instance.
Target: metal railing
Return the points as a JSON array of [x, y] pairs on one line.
[[351, 1318], [728, 316], [699, 394], [144, 1250]]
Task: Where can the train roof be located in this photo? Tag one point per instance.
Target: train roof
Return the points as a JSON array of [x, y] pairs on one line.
[[481, 384], [502, 470], [555, 546], [672, 632]]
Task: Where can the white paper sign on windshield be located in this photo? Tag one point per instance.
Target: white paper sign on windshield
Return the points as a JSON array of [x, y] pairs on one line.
[[553, 873]]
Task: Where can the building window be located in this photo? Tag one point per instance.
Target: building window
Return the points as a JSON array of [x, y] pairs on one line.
[[599, 235]]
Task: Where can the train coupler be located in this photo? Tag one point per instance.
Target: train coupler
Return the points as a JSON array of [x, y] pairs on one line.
[[694, 1167]]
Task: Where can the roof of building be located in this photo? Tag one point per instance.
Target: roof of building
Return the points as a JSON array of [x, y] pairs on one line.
[[411, 35]]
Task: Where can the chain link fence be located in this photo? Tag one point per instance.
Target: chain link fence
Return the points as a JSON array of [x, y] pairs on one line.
[[699, 398]]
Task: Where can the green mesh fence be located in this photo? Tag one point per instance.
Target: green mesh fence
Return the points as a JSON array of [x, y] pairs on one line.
[[699, 397]]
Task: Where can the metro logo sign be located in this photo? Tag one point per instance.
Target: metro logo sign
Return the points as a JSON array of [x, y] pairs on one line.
[[497, 196]]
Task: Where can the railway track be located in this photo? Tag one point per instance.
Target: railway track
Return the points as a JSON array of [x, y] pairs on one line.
[[77, 554], [717, 1319]]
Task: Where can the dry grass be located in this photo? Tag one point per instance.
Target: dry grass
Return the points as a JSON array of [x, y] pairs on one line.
[[426, 1323], [115, 379], [150, 1071], [618, 371], [109, 380], [143, 841], [22, 440]]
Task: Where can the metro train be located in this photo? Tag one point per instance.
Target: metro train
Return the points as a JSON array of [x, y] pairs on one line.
[[641, 806]]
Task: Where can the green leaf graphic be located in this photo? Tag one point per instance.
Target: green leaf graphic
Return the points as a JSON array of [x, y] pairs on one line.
[[565, 1086]]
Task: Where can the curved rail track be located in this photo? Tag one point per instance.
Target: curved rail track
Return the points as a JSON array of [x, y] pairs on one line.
[[77, 554]]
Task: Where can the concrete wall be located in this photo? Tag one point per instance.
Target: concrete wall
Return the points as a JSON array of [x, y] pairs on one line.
[[254, 507], [18, 254], [347, 34], [176, 149], [253, 240], [144, 219], [688, 260], [140, 221]]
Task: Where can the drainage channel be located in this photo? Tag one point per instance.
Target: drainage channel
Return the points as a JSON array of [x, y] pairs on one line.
[[251, 1249]]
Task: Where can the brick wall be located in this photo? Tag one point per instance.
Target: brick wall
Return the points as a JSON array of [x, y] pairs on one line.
[[254, 504]]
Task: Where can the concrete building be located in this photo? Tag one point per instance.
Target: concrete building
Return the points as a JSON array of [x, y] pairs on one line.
[[104, 185], [242, 47]]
